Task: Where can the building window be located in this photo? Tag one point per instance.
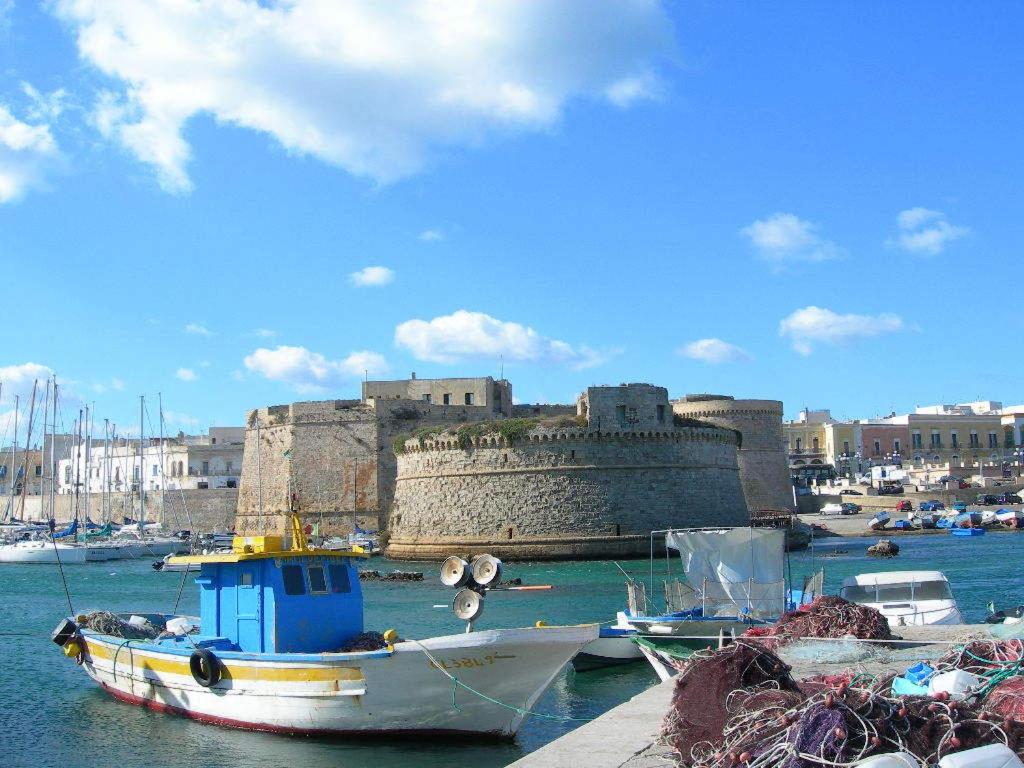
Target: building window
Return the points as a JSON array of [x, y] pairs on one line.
[[814, 443], [896, 446], [294, 584], [39, 470], [137, 473], [661, 414], [426, 398], [469, 398], [153, 472], [447, 398], [67, 473], [993, 442], [229, 467], [798, 441], [206, 467], [915, 439], [878, 447], [936, 440], [953, 440], [974, 439], [846, 447]]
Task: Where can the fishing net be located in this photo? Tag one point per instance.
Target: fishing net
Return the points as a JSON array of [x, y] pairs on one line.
[[364, 641], [1006, 699], [107, 623], [699, 703], [827, 616]]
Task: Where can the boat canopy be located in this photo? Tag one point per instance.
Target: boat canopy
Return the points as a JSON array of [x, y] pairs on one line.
[[734, 571], [71, 530]]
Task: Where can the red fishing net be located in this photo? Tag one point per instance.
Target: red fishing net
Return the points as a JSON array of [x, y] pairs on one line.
[[827, 616], [1006, 700]]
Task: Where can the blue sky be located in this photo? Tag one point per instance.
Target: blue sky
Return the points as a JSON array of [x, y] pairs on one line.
[[818, 203]]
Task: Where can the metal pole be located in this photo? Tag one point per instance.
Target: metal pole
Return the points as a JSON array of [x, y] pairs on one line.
[[142, 464], [42, 458], [53, 455], [88, 465]]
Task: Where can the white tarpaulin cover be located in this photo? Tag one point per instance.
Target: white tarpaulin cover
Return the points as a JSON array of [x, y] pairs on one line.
[[735, 569]]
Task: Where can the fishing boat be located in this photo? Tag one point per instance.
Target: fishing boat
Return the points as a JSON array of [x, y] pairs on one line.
[[269, 653], [614, 646], [905, 598], [879, 521]]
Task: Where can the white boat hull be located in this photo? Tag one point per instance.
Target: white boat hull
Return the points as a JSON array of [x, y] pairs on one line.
[[357, 693], [42, 552]]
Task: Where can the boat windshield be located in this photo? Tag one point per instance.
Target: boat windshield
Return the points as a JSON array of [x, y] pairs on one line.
[[889, 593]]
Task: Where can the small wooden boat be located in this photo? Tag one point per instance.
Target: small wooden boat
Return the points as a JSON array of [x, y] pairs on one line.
[[963, 532], [614, 646]]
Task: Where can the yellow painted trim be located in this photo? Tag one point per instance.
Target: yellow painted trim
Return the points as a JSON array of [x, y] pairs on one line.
[[237, 557], [135, 660]]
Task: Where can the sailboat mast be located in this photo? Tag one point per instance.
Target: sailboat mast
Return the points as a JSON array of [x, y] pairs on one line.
[[88, 464], [142, 464], [78, 461], [14, 459], [42, 457], [24, 455], [105, 486], [53, 465]]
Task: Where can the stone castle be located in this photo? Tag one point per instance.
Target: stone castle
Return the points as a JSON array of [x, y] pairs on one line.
[[450, 465]]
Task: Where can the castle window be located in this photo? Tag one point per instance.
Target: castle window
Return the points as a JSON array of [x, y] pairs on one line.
[[661, 414], [317, 580], [294, 584], [469, 398], [620, 414], [447, 398], [426, 398], [339, 579]]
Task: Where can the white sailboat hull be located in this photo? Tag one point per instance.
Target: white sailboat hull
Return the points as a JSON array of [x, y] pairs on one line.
[[42, 552], [358, 693]]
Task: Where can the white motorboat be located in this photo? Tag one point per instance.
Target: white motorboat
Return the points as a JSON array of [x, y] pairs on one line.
[[905, 598], [271, 653]]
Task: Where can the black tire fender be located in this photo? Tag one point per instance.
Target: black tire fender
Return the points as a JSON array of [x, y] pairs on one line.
[[205, 667]]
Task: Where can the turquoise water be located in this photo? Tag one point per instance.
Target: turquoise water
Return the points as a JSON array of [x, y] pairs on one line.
[[53, 715]]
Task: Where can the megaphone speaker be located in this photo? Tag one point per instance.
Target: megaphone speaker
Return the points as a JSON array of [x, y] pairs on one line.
[[467, 605], [486, 570]]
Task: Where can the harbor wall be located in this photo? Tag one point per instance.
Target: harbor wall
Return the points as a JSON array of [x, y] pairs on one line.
[[570, 493], [202, 511]]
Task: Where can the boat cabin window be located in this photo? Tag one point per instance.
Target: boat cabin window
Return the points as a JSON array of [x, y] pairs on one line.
[[891, 593], [245, 579], [339, 579], [317, 580], [294, 584]]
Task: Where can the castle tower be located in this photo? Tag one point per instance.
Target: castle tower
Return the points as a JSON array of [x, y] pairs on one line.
[[764, 472]]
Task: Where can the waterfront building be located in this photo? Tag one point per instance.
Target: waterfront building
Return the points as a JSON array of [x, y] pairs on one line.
[[484, 392]]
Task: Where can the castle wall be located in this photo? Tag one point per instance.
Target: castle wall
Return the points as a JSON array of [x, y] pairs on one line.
[[562, 494], [763, 469]]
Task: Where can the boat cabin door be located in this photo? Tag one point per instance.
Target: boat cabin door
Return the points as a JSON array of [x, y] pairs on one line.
[[249, 607]]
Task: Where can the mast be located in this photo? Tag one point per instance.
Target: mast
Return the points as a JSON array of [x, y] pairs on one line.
[[42, 457], [78, 462], [53, 465], [105, 485], [14, 460], [142, 464], [24, 455], [88, 465]]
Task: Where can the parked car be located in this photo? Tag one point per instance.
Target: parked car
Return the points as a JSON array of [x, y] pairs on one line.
[[831, 509], [890, 490], [963, 484], [904, 506], [850, 492], [932, 505], [960, 506], [849, 508], [987, 499], [1008, 498]]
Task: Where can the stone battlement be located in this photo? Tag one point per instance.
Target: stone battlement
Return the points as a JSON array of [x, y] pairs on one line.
[[450, 441]]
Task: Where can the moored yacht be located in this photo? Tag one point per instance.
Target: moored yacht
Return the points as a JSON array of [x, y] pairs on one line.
[[905, 598]]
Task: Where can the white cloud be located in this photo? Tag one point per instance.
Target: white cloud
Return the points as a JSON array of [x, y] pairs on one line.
[[373, 88], [186, 374], [180, 419], [627, 91], [785, 237], [310, 371], [18, 380], [264, 333], [198, 330], [810, 325], [926, 231], [465, 335], [372, 276], [714, 351], [116, 384], [26, 150], [431, 235]]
